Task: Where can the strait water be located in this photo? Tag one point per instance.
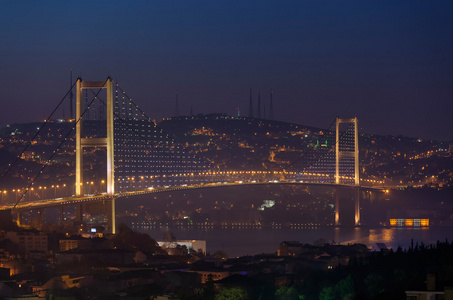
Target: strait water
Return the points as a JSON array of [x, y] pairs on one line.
[[255, 241], [305, 204]]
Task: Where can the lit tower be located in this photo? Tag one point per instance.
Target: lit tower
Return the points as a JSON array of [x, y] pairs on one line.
[[340, 153], [94, 142], [259, 105], [251, 105], [106, 142]]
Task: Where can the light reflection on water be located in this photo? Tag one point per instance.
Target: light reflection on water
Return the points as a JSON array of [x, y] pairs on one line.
[[255, 241], [394, 237]]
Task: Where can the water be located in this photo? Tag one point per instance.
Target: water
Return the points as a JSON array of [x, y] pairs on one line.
[[255, 241], [294, 204]]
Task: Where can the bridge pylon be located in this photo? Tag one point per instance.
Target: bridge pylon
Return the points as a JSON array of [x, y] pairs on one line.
[[355, 154], [94, 142]]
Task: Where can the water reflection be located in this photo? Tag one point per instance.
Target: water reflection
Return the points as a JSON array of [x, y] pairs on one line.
[[254, 241]]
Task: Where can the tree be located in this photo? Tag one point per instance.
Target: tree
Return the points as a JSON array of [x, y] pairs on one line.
[[232, 293], [127, 238], [220, 254], [320, 242], [286, 293], [327, 293], [209, 289], [345, 288], [374, 284]]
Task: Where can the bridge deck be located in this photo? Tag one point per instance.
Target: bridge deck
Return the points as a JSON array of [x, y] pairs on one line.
[[46, 203]]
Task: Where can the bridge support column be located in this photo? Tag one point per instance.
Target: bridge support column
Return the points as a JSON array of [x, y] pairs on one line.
[[19, 218], [94, 142], [357, 207], [79, 150], [61, 214], [111, 215], [339, 153], [79, 213], [41, 216], [337, 208]]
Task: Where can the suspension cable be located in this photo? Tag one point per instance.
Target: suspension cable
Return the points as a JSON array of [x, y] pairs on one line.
[[144, 114], [55, 151], [311, 149], [37, 133], [332, 149], [140, 135]]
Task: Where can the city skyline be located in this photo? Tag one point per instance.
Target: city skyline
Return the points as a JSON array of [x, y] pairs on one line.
[[388, 63]]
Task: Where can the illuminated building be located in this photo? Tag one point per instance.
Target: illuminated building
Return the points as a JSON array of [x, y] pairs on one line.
[[409, 222], [195, 245]]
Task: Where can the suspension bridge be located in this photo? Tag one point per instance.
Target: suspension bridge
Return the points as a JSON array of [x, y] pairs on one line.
[[142, 159]]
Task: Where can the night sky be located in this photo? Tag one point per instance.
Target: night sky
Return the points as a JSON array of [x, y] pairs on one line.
[[388, 62]]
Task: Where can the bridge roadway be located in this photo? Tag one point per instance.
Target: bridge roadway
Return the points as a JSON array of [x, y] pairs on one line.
[[56, 202]]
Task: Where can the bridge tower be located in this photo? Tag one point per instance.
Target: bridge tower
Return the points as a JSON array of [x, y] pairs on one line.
[[354, 154], [96, 142]]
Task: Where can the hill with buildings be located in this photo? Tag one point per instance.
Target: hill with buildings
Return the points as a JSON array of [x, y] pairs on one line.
[[228, 143]]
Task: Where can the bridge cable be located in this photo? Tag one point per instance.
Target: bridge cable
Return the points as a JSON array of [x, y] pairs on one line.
[[149, 119], [37, 132], [311, 150], [140, 110], [142, 136], [281, 167], [55, 151]]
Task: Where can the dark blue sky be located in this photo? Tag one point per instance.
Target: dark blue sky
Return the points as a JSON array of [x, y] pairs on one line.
[[389, 62]]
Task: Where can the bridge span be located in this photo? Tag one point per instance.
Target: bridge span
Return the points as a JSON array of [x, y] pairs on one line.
[[136, 147], [107, 203]]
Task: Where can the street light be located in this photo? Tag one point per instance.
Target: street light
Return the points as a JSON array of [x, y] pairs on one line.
[[16, 191], [55, 189], [4, 192]]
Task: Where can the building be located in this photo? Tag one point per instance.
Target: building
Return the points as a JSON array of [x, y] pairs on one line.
[[195, 245], [431, 292], [214, 273], [80, 242], [68, 244], [29, 240]]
